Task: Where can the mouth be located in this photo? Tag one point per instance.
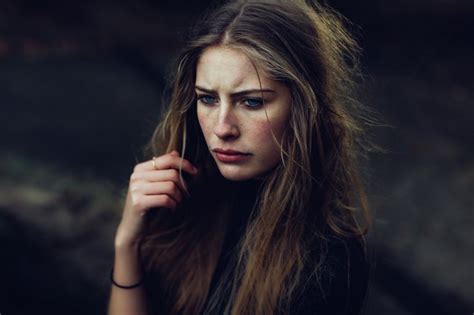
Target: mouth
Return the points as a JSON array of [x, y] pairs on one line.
[[230, 156]]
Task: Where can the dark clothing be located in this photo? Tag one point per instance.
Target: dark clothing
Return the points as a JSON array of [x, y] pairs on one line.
[[343, 284], [340, 289]]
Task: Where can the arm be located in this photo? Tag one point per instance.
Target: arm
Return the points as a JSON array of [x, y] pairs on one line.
[[127, 270], [153, 184]]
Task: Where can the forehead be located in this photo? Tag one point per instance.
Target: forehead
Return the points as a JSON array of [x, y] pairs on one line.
[[229, 68]]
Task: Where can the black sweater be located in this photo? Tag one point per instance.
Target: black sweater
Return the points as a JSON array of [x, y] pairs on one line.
[[341, 287]]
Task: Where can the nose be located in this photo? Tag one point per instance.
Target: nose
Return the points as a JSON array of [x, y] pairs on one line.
[[226, 126]]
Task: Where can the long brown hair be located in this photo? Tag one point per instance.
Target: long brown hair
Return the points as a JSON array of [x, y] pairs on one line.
[[315, 190]]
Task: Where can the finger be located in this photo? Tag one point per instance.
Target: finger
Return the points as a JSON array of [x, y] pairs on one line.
[[171, 161], [169, 188], [160, 176], [157, 201], [149, 165]]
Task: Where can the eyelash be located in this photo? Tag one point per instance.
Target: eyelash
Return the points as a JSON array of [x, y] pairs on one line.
[[259, 101], [202, 98]]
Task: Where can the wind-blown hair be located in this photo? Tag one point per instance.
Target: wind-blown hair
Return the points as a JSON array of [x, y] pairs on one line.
[[315, 191]]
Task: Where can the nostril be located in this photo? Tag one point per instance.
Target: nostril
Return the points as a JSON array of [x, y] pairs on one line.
[[226, 131]]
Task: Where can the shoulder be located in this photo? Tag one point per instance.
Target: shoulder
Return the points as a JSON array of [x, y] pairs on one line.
[[336, 282]]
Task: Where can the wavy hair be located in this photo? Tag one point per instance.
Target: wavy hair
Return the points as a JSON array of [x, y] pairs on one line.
[[317, 188]]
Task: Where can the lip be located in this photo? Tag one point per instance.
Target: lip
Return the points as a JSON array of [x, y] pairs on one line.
[[230, 156]]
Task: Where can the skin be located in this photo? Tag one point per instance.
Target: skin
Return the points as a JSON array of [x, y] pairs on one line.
[[151, 187], [240, 122], [152, 184]]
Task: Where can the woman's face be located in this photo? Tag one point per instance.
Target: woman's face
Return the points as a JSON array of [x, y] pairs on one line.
[[235, 122]]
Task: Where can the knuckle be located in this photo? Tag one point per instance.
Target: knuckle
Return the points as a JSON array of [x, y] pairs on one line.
[[168, 201], [171, 203], [175, 175], [135, 188], [187, 164], [134, 177], [164, 199], [173, 187], [166, 158], [169, 186], [137, 204]]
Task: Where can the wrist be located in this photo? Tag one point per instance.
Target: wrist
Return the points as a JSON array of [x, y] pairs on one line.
[[123, 240], [126, 245], [128, 286]]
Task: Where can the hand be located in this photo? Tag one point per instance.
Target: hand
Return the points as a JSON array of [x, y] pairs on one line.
[[151, 188]]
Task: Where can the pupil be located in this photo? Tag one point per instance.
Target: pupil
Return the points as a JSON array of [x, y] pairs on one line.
[[253, 102]]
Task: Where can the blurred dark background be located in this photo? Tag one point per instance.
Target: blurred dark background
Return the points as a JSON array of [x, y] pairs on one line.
[[80, 92]]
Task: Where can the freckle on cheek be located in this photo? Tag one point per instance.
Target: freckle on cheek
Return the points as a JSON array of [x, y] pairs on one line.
[[202, 122], [261, 128], [261, 131]]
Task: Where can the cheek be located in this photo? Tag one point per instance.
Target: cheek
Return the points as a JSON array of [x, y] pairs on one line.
[[278, 116], [203, 123], [262, 131], [262, 136], [274, 129]]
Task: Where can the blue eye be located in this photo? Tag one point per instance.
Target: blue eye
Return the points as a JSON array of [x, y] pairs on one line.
[[253, 102], [207, 99]]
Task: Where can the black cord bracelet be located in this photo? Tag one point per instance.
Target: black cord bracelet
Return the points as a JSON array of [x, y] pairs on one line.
[[124, 286]]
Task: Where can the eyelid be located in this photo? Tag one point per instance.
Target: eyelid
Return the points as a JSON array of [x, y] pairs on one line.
[[201, 97], [260, 100], [242, 99], [205, 94]]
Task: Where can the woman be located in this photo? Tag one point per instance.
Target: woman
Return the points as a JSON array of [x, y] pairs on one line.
[[252, 200]]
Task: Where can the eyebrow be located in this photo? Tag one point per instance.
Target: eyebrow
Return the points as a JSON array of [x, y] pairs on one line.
[[237, 94]]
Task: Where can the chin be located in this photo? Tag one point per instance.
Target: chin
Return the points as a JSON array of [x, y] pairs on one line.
[[237, 174]]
